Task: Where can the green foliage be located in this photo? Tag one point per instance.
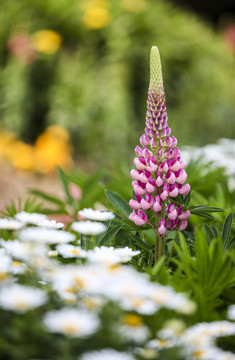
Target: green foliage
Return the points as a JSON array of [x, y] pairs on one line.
[[95, 85], [206, 271]]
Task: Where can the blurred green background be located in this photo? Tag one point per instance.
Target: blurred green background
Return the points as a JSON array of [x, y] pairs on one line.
[[84, 65]]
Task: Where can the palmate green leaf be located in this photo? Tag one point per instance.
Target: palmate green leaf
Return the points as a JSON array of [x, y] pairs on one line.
[[232, 241], [110, 235], [214, 231], [119, 202], [227, 229]]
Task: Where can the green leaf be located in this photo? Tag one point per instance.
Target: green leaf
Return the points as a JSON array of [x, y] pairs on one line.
[[140, 243], [231, 242], [202, 214], [102, 235], [208, 232], [206, 209], [226, 229], [214, 231], [47, 197], [110, 234], [150, 260], [119, 202], [65, 182]]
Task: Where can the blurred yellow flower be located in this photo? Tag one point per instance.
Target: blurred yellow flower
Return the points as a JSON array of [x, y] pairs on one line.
[[47, 41], [22, 157], [96, 17], [86, 4], [134, 5], [52, 149]]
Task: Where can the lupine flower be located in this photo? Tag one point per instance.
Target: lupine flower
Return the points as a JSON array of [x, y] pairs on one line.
[[160, 173]]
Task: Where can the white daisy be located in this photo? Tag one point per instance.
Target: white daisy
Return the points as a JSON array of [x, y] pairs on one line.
[[30, 218], [51, 224], [71, 322], [96, 214], [71, 251], [126, 253], [88, 227], [10, 224], [106, 354], [49, 236], [110, 255], [21, 298], [5, 265]]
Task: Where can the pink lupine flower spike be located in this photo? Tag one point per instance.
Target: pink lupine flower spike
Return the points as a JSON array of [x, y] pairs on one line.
[[159, 173]]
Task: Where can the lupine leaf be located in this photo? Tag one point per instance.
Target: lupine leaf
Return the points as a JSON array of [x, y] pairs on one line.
[[208, 232], [214, 231], [110, 234], [226, 229], [119, 202], [202, 214], [206, 209], [231, 242], [102, 235]]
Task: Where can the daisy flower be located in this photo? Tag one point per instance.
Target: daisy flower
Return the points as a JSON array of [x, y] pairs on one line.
[[49, 236], [21, 298], [71, 322], [96, 214], [88, 227]]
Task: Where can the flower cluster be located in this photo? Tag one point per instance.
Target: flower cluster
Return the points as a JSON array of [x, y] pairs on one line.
[[159, 173], [196, 342], [52, 149]]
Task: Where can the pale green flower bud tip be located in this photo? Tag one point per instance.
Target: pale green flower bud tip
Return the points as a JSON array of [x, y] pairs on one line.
[[156, 81]]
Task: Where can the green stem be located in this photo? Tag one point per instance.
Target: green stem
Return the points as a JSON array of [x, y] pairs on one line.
[[172, 248]]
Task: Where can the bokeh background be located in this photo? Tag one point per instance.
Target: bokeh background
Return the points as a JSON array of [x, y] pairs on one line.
[[74, 77]]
